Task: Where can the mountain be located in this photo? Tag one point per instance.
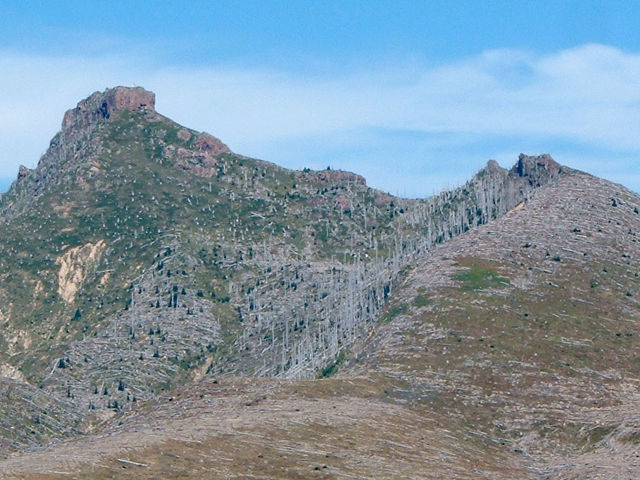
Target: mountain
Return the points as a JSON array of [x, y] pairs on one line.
[[151, 280]]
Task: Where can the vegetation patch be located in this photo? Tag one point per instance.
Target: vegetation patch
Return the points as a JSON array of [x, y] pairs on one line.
[[479, 277], [332, 368], [393, 312], [421, 300]]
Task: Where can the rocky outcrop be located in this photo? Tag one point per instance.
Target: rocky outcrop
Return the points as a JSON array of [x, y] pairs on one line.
[[9, 371], [538, 170], [201, 160], [24, 172], [333, 177], [101, 105], [75, 266], [210, 146]]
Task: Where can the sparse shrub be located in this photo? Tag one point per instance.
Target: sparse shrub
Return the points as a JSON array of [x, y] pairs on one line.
[[393, 312], [478, 277], [421, 301]]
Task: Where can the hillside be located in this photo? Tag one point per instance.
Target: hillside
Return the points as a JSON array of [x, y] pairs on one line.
[[527, 330], [506, 353], [149, 275]]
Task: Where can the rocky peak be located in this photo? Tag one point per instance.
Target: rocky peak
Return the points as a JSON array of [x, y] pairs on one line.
[[24, 172], [339, 177], [101, 105], [539, 168], [492, 166]]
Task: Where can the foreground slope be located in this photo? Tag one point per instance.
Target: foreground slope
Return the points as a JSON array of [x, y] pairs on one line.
[[509, 352], [276, 429]]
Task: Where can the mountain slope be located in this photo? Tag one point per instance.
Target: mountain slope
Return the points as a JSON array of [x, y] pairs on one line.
[[527, 330], [508, 352], [140, 254], [142, 258]]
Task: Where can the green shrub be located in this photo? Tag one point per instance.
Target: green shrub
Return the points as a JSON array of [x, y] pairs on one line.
[[478, 277]]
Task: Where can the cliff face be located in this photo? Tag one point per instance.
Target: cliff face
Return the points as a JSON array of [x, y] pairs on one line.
[[101, 105], [538, 170]]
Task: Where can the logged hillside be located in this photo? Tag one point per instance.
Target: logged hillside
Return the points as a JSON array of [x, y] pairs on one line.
[[141, 260], [140, 255], [508, 352], [527, 330]]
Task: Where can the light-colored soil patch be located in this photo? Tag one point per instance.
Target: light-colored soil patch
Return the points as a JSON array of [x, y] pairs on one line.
[[75, 265]]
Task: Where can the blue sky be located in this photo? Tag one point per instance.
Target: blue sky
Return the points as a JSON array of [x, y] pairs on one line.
[[415, 96]]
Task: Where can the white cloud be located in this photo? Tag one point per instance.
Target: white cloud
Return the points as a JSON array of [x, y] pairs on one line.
[[588, 95]]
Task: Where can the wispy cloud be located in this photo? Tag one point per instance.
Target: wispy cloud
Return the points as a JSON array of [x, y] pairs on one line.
[[441, 116]]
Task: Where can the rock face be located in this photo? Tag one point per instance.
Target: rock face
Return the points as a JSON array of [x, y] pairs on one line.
[[339, 176], [210, 145], [539, 169], [100, 105], [24, 172]]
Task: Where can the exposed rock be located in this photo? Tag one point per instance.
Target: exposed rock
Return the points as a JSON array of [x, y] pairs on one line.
[[9, 371], [75, 265], [338, 176], [202, 160], [24, 172], [539, 169], [492, 165], [184, 135], [100, 105], [210, 145]]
